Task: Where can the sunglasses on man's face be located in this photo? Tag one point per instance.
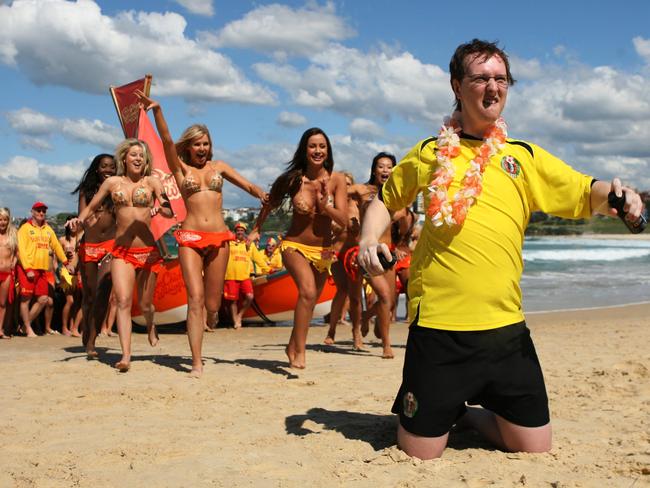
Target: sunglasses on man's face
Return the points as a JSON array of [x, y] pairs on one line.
[[40, 210]]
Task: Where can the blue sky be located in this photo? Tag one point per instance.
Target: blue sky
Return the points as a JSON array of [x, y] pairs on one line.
[[373, 75]]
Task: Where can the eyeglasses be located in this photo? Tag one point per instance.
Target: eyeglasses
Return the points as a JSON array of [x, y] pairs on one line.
[[40, 210], [483, 80]]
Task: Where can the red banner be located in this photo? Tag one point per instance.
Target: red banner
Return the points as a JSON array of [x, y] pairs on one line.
[[126, 104], [146, 133]]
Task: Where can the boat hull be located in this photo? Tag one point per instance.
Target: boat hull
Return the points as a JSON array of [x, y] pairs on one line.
[[275, 299]]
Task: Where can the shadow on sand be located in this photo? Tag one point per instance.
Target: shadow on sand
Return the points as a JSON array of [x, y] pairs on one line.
[[181, 364], [377, 430]]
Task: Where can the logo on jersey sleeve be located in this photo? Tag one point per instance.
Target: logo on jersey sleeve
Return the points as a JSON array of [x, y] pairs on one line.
[[511, 166]]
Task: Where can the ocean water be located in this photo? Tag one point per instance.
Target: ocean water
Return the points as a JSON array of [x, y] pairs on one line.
[[568, 273]]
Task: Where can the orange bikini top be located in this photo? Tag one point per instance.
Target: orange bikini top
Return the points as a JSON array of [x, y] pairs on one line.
[[140, 197], [191, 184]]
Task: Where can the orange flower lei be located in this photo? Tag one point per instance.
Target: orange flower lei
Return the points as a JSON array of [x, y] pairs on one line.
[[440, 211]]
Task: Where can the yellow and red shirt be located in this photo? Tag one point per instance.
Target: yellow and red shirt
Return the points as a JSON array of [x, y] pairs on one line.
[[34, 244], [467, 278], [240, 264]]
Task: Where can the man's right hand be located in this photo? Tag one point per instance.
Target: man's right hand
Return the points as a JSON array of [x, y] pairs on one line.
[[368, 257], [30, 275]]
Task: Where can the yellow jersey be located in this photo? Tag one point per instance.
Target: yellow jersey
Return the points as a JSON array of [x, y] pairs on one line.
[[467, 278]]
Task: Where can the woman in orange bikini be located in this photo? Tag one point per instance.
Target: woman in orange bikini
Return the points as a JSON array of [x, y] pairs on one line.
[[318, 195], [8, 246], [135, 255], [383, 285], [95, 247], [203, 238]]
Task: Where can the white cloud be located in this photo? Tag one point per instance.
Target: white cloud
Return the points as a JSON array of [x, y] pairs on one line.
[[291, 119], [38, 143], [281, 30], [525, 68], [32, 123], [359, 84], [73, 44], [642, 47], [365, 129], [23, 180], [199, 7], [263, 163], [595, 118], [27, 121]]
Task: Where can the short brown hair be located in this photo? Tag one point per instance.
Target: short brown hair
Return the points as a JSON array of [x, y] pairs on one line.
[[475, 48]]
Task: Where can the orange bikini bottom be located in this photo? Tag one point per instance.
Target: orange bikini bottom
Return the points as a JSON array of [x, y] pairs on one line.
[[94, 252], [139, 257], [202, 240]]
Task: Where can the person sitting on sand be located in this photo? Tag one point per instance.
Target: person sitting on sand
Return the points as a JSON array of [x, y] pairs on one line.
[[134, 193], [468, 342], [318, 195]]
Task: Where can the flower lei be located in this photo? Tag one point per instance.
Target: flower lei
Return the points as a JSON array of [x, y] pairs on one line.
[[440, 210]]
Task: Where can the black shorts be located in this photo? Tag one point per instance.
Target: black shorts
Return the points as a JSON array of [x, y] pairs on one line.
[[497, 369]]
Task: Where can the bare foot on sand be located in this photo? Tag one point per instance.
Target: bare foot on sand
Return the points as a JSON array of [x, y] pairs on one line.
[[388, 353], [329, 340], [296, 361], [122, 366], [91, 354], [207, 328], [30, 333], [153, 335], [196, 372]]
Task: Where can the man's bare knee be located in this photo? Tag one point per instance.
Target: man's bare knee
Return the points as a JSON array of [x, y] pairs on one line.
[[419, 446], [525, 439]]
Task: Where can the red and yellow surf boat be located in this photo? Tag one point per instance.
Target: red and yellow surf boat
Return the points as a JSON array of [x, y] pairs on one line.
[[275, 298]]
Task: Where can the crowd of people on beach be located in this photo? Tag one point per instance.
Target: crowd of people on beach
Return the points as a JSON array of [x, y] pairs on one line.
[[108, 254], [468, 343]]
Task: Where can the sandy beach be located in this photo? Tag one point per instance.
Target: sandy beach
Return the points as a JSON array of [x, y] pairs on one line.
[[250, 421]]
